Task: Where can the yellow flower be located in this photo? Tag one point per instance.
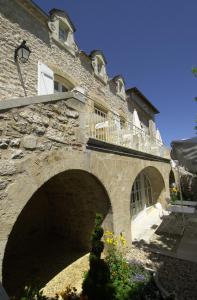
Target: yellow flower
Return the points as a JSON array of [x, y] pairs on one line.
[[109, 241], [122, 240], [115, 243], [174, 190]]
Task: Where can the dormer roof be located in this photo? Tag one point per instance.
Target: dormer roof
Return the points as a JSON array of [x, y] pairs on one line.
[[98, 52], [63, 14], [117, 77]]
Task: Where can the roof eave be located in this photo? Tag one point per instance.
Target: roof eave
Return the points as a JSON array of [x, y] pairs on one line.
[[139, 93]]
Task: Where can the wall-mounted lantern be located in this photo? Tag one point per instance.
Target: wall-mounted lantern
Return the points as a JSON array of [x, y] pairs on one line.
[[22, 53]]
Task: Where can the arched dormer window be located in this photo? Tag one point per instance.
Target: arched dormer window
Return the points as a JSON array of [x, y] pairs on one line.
[[120, 86], [99, 65], [62, 30]]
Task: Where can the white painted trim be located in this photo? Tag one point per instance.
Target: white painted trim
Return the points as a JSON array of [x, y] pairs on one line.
[[45, 80]]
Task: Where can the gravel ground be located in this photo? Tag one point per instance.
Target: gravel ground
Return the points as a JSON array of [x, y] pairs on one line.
[[175, 275], [70, 276]]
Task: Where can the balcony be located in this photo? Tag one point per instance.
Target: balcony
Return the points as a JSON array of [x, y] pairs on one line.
[[108, 129]]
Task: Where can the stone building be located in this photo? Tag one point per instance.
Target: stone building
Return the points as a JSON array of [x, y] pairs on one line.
[[73, 142]]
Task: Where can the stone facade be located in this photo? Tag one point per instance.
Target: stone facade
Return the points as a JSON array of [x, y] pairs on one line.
[[77, 68], [38, 127], [51, 178]]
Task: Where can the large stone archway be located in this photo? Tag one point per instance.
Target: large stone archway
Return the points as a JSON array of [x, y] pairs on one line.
[[36, 175], [53, 229]]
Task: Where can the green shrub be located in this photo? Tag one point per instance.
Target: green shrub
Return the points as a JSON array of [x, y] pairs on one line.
[[97, 284], [130, 280]]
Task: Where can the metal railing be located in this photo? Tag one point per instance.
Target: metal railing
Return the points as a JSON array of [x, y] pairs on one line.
[[109, 129]]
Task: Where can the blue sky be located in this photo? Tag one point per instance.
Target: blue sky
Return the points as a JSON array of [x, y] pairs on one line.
[[152, 43]]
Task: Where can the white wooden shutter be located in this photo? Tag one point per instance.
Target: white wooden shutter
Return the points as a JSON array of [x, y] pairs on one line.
[[45, 80]]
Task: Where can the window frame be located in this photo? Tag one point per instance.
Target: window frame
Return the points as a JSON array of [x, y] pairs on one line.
[[60, 88], [99, 67], [120, 88], [141, 195], [100, 115], [62, 82], [63, 27]]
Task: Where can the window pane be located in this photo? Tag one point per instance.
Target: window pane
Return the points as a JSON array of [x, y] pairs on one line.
[[64, 89], [141, 194], [63, 34], [56, 86]]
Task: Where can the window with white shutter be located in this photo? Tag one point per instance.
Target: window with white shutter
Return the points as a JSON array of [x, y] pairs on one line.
[[45, 80]]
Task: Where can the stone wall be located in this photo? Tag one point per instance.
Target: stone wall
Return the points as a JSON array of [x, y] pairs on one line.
[[114, 172], [39, 140], [22, 25], [37, 128]]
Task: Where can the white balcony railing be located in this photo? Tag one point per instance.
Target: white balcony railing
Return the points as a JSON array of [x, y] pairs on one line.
[[103, 128]]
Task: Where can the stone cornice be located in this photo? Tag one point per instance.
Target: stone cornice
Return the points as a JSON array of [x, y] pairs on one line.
[[101, 146], [25, 101]]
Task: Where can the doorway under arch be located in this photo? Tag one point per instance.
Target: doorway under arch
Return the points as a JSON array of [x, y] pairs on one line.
[[53, 229], [141, 194], [146, 191]]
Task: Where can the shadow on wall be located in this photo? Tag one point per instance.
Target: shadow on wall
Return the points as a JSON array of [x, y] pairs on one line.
[[157, 183], [24, 20], [53, 229]]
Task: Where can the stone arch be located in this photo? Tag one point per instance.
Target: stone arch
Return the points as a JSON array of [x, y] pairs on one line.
[[63, 81], [143, 214], [82, 194], [65, 76], [156, 182]]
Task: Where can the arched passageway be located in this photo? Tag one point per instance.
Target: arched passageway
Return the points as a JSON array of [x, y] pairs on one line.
[[53, 229], [146, 191]]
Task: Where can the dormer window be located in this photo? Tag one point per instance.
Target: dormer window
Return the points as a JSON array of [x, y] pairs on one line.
[[120, 86], [62, 30], [63, 33], [99, 65]]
